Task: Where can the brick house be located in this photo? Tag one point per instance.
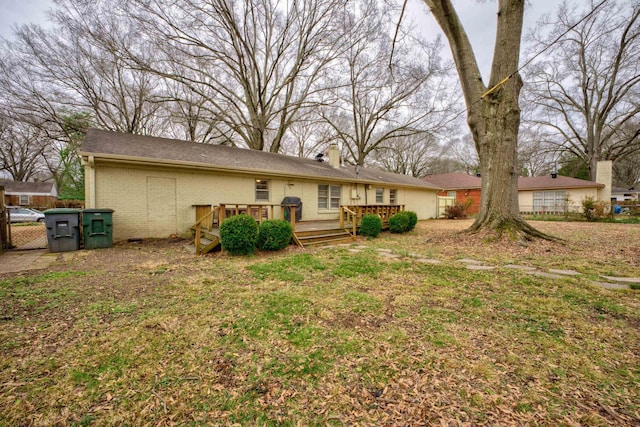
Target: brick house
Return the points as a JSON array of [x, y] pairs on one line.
[[539, 194], [463, 188], [37, 195], [156, 185]]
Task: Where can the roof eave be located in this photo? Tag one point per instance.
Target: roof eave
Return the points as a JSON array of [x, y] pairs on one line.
[[233, 170]]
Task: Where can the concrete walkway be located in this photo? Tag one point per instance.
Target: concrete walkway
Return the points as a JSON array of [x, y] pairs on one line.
[[16, 261]]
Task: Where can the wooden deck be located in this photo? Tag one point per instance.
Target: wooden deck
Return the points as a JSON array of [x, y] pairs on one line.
[[305, 233]]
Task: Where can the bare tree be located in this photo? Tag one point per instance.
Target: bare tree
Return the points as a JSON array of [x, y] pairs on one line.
[[256, 62], [382, 94], [493, 113], [411, 155], [66, 68], [626, 170], [535, 156], [22, 146], [307, 136], [462, 150], [187, 114], [587, 87]]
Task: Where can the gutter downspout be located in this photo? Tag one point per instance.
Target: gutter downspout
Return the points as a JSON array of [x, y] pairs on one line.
[[90, 183]]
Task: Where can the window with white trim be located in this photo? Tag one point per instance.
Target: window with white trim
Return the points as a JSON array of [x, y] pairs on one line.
[[550, 201], [262, 190], [24, 199], [393, 196], [329, 196], [379, 195]]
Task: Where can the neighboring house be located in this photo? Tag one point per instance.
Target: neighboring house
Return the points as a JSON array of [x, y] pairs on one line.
[[458, 189], [556, 193], [541, 194], [156, 185], [625, 194], [38, 195]]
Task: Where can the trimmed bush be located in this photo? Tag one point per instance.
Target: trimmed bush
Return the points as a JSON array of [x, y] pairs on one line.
[[399, 223], [274, 235], [413, 219], [239, 234], [371, 225]]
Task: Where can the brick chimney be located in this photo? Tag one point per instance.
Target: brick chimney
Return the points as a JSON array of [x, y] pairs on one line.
[[334, 156]]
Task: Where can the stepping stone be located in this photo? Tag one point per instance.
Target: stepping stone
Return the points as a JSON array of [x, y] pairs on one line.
[[520, 267], [480, 267], [622, 279], [361, 247], [384, 250], [611, 285], [470, 261], [545, 274], [355, 251], [429, 261], [564, 272], [389, 255]]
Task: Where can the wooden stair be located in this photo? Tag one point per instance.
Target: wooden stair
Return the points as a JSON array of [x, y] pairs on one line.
[[209, 240], [322, 237]]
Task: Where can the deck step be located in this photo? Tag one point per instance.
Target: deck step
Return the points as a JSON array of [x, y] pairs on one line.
[[208, 242], [323, 237], [327, 242]]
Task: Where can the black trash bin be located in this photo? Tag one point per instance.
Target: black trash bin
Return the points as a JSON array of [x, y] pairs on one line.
[[63, 229], [97, 228], [291, 200]]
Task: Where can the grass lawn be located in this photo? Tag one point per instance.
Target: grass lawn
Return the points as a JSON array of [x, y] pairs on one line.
[[148, 334]]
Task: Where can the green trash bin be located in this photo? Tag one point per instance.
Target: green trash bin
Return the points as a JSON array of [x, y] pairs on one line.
[[63, 229], [97, 228]]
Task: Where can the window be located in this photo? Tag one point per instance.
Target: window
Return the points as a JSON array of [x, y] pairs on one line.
[[393, 196], [24, 199], [329, 196], [379, 195], [262, 189], [452, 194], [550, 201]]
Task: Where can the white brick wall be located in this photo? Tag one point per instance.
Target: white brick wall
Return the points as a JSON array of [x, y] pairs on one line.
[[125, 189]]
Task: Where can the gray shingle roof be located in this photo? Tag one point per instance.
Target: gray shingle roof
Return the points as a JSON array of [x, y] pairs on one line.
[[454, 181], [146, 149], [459, 181], [547, 182], [20, 187]]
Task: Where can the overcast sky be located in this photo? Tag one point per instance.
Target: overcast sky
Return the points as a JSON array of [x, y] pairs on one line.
[[477, 16]]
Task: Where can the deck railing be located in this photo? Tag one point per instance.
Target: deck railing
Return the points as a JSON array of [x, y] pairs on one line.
[[349, 216], [206, 223], [354, 213], [260, 212]]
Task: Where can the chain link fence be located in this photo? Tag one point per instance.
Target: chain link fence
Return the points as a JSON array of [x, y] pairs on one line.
[[28, 235]]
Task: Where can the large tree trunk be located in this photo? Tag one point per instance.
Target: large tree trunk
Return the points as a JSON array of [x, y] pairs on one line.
[[493, 113]]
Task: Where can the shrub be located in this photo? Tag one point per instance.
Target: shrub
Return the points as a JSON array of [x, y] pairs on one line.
[[371, 225], [455, 211], [592, 209], [239, 234], [274, 235], [413, 219], [399, 223]]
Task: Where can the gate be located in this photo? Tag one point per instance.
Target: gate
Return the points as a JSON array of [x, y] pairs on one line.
[[443, 202], [4, 224], [28, 235], [14, 235]]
